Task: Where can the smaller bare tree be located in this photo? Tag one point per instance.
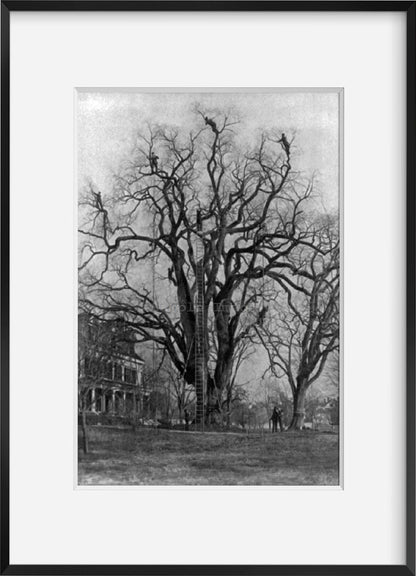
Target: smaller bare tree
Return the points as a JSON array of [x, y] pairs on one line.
[[178, 389], [302, 330]]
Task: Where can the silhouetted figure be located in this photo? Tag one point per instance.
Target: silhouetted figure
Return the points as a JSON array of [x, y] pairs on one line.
[[262, 315], [198, 221], [153, 162], [276, 418], [290, 229], [285, 143], [186, 414], [98, 201], [210, 122]]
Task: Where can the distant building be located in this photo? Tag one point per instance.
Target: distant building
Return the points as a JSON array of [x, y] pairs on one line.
[[110, 372]]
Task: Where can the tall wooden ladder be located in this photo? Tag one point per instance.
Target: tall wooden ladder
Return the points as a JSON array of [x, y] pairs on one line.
[[200, 372]]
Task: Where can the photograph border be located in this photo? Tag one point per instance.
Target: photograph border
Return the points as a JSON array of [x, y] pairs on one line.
[[230, 6], [340, 92]]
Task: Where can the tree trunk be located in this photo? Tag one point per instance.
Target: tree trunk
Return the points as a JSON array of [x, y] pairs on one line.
[[84, 431], [299, 398], [228, 416], [221, 382], [180, 412], [216, 389], [211, 402]]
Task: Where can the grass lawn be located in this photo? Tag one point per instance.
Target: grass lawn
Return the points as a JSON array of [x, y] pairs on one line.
[[163, 457]]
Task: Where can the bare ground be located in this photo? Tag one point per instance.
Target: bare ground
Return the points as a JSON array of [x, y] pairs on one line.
[[163, 457]]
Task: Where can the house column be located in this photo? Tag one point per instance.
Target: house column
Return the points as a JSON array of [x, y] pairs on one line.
[[102, 400], [93, 399], [140, 401], [113, 401], [124, 402]]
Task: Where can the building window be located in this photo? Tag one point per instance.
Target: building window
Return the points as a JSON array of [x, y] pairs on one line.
[[130, 375], [108, 370], [118, 372]]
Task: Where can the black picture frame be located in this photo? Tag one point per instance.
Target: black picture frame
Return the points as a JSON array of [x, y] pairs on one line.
[[408, 569]]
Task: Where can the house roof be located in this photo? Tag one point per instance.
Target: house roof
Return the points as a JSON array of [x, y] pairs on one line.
[[115, 335]]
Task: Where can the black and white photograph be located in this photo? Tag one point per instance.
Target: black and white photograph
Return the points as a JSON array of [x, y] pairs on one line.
[[209, 287]]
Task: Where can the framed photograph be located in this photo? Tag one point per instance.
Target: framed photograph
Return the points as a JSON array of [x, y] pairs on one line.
[[208, 288]]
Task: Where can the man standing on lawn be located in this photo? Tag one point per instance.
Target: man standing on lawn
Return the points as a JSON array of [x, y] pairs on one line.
[[276, 418]]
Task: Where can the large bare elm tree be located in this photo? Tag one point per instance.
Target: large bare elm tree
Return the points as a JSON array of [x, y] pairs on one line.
[[253, 226]]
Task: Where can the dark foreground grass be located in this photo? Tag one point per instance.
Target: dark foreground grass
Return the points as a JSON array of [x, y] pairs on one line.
[[162, 457]]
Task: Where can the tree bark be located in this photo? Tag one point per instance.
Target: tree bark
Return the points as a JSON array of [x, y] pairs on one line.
[[84, 431], [299, 399], [180, 411], [211, 401], [218, 386], [228, 408]]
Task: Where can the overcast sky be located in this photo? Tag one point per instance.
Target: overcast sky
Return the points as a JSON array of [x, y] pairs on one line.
[[108, 122]]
